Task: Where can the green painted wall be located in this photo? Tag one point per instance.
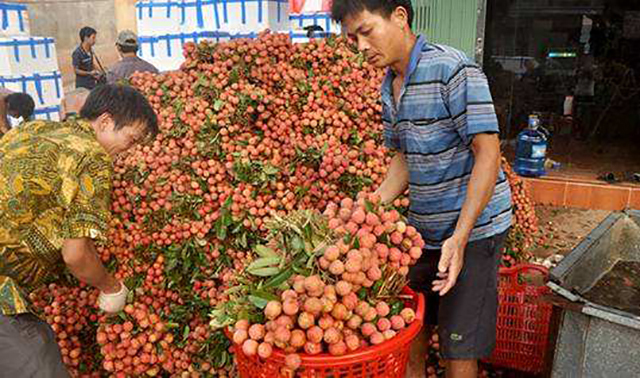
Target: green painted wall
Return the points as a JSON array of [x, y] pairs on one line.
[[448, 22]]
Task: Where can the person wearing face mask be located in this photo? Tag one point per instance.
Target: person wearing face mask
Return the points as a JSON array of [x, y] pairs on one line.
[[14, 109], [439, 118], [55, 199], [127, 45]]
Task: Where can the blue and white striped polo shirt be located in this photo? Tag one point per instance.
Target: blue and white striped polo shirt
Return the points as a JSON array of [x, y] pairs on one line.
[[444, 102]]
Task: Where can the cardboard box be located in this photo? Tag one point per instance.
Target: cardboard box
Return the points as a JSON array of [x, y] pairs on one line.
[[26, 55], [166, 51], [46, 89], [14, 20], [160, 17], [50, 113], [253, 16]]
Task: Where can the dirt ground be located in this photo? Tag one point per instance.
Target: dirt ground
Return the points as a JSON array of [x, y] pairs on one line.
[[564, 228]]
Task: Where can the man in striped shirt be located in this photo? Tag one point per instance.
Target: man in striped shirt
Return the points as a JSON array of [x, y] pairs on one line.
[[439, 117]]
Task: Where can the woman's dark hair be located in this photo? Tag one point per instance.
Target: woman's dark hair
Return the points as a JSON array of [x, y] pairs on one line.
[[341, 9], [20, 103], [125, 104], [87, 32]]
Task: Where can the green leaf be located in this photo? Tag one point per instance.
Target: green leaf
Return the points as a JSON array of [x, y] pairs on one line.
[[376, 286], [265, 272], [278, 279], [265, 295], [264, 251], [270, 169], [263, 262], [233, 290], [369, 206], [311, 261], [242, 241], [185, 333], [221, 231], [261, 303], [297, 244], [396, 308], [217, 105]]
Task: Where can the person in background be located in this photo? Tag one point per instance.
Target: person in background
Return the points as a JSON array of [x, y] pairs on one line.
[[73, 102], [83, 60], [438, 116], [127, 45], [14, 109], [55, 200]]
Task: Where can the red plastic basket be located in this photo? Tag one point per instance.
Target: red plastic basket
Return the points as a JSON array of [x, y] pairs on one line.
[[523, 320], [387, 360]]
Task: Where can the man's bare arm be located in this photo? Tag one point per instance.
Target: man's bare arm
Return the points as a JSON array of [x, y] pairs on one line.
[[82, 259]]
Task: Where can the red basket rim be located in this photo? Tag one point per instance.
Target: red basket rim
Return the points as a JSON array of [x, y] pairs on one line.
[[324, 359], [523, 267]]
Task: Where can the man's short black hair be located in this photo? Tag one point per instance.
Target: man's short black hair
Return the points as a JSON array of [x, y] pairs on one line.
[[341, 9], [127, 49], [125, 105], [87, 32], [20, 103]]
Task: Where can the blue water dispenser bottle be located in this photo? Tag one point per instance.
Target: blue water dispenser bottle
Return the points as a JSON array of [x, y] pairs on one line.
[[531, 149]]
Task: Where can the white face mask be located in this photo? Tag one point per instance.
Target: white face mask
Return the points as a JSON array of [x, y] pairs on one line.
[[14, 122]]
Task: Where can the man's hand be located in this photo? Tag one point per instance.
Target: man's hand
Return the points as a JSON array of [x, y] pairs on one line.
[[396, 181], [111, 286], [113, 302], [82, 260], [450, 265]]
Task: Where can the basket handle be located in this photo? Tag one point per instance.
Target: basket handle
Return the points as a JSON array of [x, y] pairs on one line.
[[420, 308], [515, 271], [519, 268]]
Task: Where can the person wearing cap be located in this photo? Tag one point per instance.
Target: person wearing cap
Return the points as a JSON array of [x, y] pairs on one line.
[[127, 45]]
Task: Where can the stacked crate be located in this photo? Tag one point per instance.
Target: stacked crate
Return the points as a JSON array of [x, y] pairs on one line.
[[29, 64], [165, 25]]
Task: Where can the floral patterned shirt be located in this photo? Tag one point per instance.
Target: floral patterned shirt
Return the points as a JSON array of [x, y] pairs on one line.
[[55, 184]]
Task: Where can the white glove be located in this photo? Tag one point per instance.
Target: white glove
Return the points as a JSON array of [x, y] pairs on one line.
[[113, 303]]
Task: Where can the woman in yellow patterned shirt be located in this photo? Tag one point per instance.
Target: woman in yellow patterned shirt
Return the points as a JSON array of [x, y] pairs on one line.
[[55, 190]]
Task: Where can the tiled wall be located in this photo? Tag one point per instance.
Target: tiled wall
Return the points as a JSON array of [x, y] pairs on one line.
[[584, 195]]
